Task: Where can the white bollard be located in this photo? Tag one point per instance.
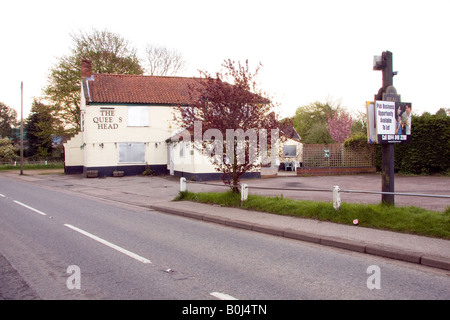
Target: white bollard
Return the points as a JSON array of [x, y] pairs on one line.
[[182, 184], [244, 192], [336, 198]]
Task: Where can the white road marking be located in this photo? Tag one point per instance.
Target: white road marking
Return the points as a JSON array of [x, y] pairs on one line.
[[28, 207], [2, 195], [222, 296], [109, 244]]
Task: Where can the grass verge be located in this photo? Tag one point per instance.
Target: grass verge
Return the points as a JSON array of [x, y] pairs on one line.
[[32, 166], [400, 219]]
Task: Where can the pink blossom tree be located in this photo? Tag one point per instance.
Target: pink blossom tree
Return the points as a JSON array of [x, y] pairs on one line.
[[339, 126]]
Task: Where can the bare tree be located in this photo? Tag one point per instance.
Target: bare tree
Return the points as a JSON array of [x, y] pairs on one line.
[[161, 61]]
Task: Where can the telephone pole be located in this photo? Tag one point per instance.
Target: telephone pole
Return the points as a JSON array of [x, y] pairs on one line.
[[387, 163], [21, 128]]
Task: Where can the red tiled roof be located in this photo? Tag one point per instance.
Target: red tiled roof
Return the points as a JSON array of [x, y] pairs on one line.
[[135, 89]]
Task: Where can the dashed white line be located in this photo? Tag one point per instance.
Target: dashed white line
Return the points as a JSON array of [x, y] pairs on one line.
[[94, 237], [222, 296], [31, 208], [218, 295], [2, 195], [109, 244]]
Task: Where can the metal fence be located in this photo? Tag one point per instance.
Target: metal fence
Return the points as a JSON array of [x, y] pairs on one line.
[[335, 191], [337, 155]]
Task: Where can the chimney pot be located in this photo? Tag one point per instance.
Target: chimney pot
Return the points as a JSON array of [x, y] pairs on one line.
[[86, 68]]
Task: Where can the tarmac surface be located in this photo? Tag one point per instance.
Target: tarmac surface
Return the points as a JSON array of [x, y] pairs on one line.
[[156, 193]]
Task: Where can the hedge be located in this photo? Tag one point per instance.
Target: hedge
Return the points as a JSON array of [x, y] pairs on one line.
[[429, 149]]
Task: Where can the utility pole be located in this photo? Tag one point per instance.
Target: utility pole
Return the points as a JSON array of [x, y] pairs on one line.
[[21, 128], [387, 163]]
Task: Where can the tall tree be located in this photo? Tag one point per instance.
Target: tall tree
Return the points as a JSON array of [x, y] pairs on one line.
[[8, 120], [310, 121], [229, 107], [109, 53], [318, 134], [41, 125], [160, 61]]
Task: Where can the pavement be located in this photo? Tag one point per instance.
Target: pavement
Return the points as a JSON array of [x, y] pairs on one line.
[[156, 193]]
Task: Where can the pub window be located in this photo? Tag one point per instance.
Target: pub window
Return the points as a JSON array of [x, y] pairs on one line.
[[290, 151], [138, 116], [132, 152]]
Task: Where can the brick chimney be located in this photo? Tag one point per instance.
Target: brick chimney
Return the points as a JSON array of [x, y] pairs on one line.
[[86, 68]]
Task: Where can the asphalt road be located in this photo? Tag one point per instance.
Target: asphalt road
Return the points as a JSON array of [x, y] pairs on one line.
[[61, 245]]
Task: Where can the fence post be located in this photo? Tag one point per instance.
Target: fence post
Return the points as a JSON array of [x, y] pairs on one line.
[[182, 184], [244, 192], [336, 198]]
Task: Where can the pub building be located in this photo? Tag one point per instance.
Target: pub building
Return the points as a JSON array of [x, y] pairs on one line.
[[127, 126]]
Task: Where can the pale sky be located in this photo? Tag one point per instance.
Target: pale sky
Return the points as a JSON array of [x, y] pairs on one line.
[[310, 50]]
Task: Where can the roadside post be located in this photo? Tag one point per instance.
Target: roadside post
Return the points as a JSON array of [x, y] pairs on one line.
[[388, 123], [182, 184], [244, 192], [385, 123], [336, 198]]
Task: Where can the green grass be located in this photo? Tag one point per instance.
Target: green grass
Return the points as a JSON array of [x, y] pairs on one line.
[[400, 219], [32, 166]]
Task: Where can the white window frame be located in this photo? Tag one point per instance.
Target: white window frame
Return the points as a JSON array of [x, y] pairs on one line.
[[138, 116]]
